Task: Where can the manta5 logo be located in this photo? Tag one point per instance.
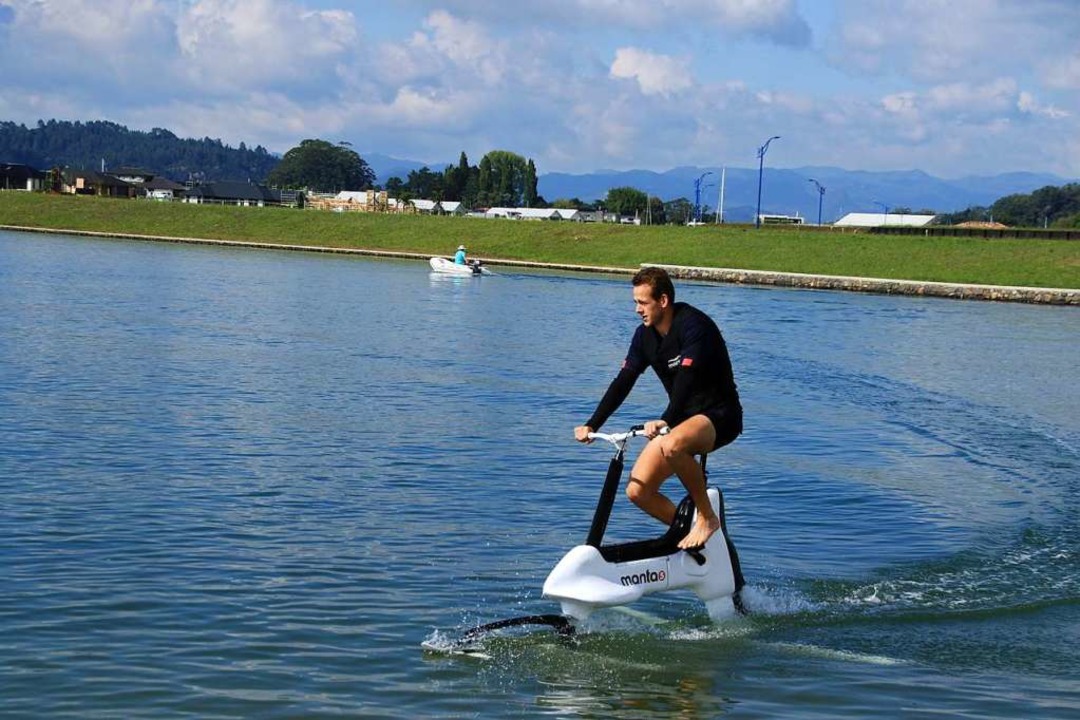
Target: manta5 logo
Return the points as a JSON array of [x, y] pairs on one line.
[[649, 576]]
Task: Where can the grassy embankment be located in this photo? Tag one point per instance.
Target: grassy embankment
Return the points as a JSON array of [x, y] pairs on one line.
[[1028, 262]]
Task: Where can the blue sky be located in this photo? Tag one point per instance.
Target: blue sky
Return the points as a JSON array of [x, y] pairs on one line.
[[951, 87]]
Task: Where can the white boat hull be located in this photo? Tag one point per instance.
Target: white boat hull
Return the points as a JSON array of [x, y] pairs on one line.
[[449, 267]]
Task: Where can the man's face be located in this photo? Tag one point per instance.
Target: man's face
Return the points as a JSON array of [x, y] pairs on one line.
[[646, 306]]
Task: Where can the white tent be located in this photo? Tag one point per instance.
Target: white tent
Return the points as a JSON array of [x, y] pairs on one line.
[[879, 219], [425, 206]]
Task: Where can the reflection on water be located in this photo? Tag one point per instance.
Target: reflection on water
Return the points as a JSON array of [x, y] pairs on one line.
[[247, 483]]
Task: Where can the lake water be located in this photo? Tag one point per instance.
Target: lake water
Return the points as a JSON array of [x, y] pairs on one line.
[[241, 483]]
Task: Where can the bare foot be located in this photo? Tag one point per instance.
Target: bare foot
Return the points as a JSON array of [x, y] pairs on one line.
[[701, 532]]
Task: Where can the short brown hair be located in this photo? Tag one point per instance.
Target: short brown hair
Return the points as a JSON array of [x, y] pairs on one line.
[[657, 279]]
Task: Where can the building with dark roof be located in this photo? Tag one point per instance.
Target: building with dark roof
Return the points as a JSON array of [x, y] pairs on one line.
[[234, 193], [16, 176], [92, 182]]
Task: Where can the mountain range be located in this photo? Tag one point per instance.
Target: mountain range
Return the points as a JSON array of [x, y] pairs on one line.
[[785, 191]]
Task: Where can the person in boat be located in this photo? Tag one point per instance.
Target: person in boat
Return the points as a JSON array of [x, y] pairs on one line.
[[687, 351], [459, 256]]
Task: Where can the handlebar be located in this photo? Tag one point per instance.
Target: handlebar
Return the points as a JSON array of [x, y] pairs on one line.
[[621, 438]]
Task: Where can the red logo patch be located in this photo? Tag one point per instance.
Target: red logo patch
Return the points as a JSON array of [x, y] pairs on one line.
[[687, 362]]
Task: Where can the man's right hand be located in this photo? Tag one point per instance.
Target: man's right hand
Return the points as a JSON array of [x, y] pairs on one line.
[[653, 428], [581, 433]]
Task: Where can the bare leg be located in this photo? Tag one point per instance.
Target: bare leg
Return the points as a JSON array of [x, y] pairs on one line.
[[649, 473], [673, 454]]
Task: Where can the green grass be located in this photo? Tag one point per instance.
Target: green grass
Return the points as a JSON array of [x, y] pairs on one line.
[[1030, 262]]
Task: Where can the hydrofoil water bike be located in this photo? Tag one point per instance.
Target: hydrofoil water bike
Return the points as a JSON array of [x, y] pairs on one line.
[[594, 575]]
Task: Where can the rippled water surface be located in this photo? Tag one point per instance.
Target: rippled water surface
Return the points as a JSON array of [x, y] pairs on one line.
[[250, 484]]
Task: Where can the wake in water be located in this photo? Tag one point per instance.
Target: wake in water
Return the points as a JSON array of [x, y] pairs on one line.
[[627, 622], [995, 496]]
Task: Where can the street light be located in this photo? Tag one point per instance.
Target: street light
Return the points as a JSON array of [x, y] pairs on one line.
[[761, 169], [697, 195], [821, 196]]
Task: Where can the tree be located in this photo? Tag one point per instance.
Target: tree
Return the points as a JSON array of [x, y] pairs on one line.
[[471, 194], [1016, 210], [503, 178], [483, 182], [425, 184], [678, 212], [530, 195], [56, 143], [626, 201], [323, 167]]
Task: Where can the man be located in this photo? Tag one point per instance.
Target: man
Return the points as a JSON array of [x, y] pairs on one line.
[[459, 257], [686, 350]]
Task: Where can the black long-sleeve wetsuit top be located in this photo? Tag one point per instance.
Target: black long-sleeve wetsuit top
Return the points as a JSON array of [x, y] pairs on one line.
[[691, 361]]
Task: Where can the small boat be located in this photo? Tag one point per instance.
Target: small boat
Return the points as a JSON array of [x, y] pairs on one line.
[[449, 267]]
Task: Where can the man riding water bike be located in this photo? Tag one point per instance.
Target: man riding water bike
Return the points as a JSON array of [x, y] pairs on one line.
[[688, 353]]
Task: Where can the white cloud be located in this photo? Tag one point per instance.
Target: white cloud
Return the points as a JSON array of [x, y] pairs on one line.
[[944, 40], [421, 108], [48, 41], [655, 74], [466, 45], [903, 103], [90, 25], [775, 20], [792, 102], [1026, 103], [993, 97], [983, 102], [567, 82], [229, 44]]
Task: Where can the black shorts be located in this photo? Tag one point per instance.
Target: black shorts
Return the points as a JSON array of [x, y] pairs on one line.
[[727, 422]]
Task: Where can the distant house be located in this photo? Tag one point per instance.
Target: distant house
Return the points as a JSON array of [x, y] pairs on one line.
[[570, 214], [134, 176], [880, 219], [778, 220], [16, 176], [452, 207], [523, 213], [92, 182], [426, 207], [603, 216], [396, 205], [234, 193], [159, 188]]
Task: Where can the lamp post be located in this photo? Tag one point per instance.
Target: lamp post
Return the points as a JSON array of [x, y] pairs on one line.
[[761, 169], [821, 196], [697, 195]]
